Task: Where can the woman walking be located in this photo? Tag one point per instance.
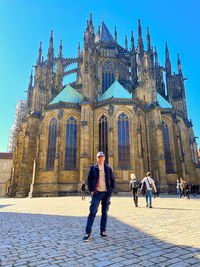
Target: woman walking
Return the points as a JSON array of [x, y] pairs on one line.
[[149, 183]]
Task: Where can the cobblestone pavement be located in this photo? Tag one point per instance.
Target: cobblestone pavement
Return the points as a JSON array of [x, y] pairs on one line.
[[49, 231]]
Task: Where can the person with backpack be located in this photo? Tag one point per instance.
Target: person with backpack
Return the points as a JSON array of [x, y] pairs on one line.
[[134, 187], [149, 184], [83, 193]]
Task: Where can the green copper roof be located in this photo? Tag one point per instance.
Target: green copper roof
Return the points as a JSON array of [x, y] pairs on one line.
[[68, 94], [163, 103], [116, 90]]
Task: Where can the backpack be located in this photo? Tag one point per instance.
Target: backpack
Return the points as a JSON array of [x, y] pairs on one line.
[[144, 188], [134, 184]]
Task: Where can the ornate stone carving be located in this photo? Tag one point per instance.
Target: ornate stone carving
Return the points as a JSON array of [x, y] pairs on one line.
[[84, 123], [111, 110], [161, 157], [136, 109], [60, 113]]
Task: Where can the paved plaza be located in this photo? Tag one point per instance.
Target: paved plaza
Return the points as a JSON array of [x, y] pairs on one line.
[[49, 231]]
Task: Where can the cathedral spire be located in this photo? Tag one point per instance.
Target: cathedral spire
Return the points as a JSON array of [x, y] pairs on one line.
[[90, 25], [156, 57], [179, 65], [167, 60], [50, 54], [30, 86], [79, 49], [115, 34], [51, 40], [148, 40], [60, 49], [89, 32], [132, 42], [90, 18], [140, 46], [166, 52], [139, 30], [126, 42], [39, 53]]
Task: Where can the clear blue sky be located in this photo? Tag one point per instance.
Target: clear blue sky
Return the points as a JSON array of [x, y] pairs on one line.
[[24, 23]]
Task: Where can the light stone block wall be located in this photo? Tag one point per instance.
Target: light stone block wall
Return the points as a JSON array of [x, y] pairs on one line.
[[5, 174]]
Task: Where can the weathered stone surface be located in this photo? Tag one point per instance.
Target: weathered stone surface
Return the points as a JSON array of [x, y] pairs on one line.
[[49, 231]]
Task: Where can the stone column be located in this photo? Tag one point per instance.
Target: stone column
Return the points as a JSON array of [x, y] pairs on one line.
[[110, 136], [161, 172], [86, 141], [30, 194], [140, 156]]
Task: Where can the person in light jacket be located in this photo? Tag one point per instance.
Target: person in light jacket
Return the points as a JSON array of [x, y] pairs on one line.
[[150, 184]]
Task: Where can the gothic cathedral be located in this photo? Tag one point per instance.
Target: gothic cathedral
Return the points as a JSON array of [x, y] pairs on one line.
[[120, 104]]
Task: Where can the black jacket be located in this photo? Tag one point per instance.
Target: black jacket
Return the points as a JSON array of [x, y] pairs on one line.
[[93, 178]]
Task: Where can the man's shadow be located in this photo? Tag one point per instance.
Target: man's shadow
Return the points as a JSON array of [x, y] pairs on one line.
[[58, 240]]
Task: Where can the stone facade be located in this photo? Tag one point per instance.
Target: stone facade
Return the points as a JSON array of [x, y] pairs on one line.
[[6, 160], [118, 104]]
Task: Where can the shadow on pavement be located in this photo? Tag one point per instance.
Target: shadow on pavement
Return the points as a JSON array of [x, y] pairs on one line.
[[3, 206], [155, 208], [36, 240]]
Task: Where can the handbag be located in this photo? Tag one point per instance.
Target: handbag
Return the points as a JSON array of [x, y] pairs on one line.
[[144, 188], [150, 185]]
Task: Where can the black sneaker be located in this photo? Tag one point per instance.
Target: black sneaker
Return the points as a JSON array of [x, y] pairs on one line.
[[146, 205], [150, 207], [104, 236], [86, 238]]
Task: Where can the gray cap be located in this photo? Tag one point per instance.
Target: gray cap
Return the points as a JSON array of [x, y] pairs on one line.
[[100, 154]]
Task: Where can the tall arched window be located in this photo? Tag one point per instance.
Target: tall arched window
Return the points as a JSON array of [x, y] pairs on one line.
[[70, 147], [107, 75], [103, 136], [51, 150], [167, 150], [123, 142]]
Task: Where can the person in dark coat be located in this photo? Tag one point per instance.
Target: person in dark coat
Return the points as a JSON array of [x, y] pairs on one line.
[[101, 183]]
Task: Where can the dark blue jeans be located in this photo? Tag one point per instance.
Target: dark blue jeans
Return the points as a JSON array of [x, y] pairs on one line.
[[149, 195], [104, 198]]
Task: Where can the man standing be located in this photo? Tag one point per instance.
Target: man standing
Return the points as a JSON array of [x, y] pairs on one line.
[[101, 183], [149, 185]]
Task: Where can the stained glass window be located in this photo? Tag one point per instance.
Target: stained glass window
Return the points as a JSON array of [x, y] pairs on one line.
[[123, 142], [167, 150], [71, 144], [107, 75], [103, 136], [51, 150]]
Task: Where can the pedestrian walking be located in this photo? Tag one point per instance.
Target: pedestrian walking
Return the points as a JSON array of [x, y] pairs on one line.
[[183, 187], [83, 190], [101, 183], [149, 183], [178, 187], [187, 191], [157, 193], [134, 187]]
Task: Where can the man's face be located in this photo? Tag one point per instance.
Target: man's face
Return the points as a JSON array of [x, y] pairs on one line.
[[100, 160]]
